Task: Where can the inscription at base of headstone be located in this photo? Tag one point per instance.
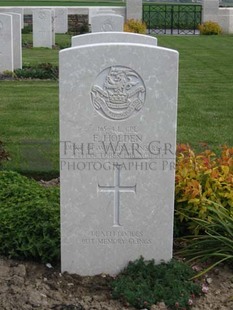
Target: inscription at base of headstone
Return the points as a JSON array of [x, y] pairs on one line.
[[118, 105]]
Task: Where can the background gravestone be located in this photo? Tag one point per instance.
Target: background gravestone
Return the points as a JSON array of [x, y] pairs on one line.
[[226, 20], [92, 11], [14, 10], [17, 40], [6, 43], [61, 20], [108, 37], [107, 22], [118, 140], [134, 9], [42, 28], [210, 10]]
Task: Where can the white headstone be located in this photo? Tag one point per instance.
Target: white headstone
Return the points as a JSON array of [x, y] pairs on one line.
[[61, 20], [6, 43], [14, 10], [226, 20], [17, 40], [107, 22], [118, 104], [42, 28], [118, 10], [134, 9], [210, 10], [108, 37]]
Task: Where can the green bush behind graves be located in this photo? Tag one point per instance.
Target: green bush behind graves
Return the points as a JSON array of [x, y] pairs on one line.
[[135, 26], [142, 284], [29, 219], [41, 71], [210, 28]]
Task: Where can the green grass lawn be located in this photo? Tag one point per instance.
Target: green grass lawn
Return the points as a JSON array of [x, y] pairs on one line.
[[29, 109], [205, 89]]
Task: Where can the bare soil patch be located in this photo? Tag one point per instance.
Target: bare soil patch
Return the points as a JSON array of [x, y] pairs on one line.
[[29, 285]]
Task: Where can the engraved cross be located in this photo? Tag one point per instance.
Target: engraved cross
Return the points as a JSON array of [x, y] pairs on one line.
[[117, 188]]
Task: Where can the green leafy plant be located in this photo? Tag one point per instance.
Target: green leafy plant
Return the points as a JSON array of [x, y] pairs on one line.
[[136, 26], [216, 241], [143, 283], [41, 71], [29, 219], [27, 29], [210, 28], [201, 179], [4, 155]]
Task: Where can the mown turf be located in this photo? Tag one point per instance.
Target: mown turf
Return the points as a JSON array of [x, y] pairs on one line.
[[29, 109], [29, 125], [205, 89]]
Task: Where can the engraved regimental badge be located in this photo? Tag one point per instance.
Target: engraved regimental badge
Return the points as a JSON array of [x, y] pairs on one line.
[[118, 93]]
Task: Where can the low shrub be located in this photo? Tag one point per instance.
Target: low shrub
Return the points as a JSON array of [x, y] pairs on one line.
[[41, 71], [27, 29], [200, 180], [29, 219], [136, 26], [4, 155], [142, 283], [210, 28], [216, 243]]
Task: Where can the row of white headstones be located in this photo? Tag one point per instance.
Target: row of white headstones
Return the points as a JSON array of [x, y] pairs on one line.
[[118, 106], [43, 34], [47, 22]]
